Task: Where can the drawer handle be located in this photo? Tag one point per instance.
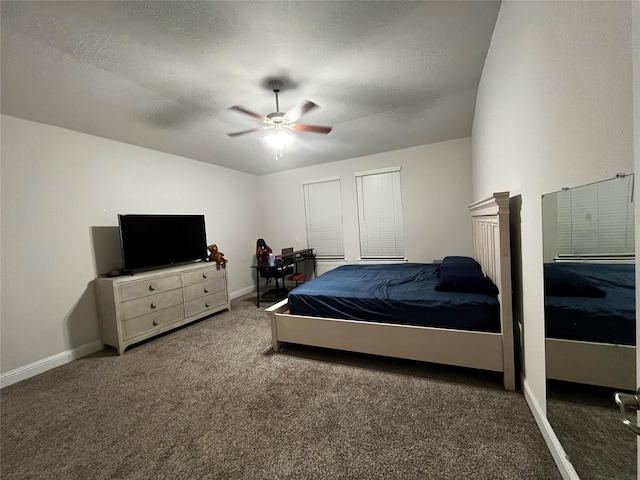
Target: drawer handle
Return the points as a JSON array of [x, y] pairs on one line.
[[155, 323], [206, 304], [152, 306], [151, 288], [206, 290], [204, 275]]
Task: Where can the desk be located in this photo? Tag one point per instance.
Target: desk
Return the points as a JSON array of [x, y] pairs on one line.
[[283, 262]]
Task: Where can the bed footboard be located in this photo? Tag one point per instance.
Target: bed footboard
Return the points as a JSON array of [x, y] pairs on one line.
[[472, 349], [603, 364], [280, 307]]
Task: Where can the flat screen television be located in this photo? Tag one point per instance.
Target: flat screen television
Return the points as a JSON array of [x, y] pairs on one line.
[[155, 241]]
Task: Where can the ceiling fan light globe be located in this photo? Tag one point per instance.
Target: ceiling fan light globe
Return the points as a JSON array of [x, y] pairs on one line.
[[279, 140]]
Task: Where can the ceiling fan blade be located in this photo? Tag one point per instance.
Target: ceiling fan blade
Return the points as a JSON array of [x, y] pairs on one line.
[[244, 132], [311, 128], [246, 111], [299, 110]]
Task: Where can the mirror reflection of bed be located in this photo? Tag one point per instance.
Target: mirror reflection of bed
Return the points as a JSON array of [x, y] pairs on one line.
[[589, 272]]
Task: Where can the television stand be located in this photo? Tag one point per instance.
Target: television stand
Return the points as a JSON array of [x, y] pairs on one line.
[[134, 308]]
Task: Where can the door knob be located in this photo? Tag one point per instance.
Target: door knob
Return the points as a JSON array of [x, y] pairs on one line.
[[628, 401]]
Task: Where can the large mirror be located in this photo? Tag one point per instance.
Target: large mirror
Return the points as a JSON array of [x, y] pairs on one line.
[[589, 275]]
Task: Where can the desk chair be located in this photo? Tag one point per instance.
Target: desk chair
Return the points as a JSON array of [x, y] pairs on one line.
[[262, 255]]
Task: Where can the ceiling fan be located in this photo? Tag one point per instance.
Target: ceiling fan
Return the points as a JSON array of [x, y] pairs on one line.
[[281, 122]]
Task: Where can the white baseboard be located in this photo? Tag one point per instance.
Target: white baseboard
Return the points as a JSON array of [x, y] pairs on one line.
[[41, 366], [559, 455], [240, 293]]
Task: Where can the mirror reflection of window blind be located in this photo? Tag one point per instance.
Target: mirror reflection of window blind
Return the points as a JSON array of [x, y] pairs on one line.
[[597, 218], [380, 214], [323, 213]]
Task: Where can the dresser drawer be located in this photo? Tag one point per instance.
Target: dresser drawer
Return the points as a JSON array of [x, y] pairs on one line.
[[132, 290], [201, 289], [152, 321], [201, 275], [202, 304], [151, 303]]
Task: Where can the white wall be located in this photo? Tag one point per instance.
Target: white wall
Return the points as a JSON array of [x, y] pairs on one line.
[[554, 109], [436, 193], [61, 193]]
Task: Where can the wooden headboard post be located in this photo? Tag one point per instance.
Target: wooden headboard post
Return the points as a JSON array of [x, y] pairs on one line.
[[492, 250]]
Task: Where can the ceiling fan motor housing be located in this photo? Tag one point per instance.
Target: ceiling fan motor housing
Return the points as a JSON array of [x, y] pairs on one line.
[[277, 117], [275, 85]]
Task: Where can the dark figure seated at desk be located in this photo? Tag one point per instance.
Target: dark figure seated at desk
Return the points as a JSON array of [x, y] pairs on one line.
[[279, 267]]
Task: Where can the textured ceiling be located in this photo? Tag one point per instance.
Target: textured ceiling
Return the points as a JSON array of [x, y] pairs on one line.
[[163, 75]]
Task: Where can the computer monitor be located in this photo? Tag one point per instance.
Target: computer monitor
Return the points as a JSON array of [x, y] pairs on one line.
[[286, 251]]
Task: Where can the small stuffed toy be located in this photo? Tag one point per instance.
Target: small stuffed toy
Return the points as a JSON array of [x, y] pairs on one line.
[[217, 256]]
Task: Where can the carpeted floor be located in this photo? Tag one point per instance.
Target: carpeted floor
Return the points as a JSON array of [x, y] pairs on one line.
[[212, 401], [588, 424]]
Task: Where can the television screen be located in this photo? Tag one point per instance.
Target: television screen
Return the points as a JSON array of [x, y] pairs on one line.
[[152, 241]]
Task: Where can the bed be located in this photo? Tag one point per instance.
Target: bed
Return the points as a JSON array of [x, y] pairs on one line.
[[489, 347], [590, 320]]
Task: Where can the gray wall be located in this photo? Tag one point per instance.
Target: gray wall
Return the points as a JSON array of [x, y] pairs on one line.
[[61, 194], [436, 193]]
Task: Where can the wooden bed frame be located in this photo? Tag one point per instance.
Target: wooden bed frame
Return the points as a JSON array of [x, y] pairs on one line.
[[590, 363], [481, 350]]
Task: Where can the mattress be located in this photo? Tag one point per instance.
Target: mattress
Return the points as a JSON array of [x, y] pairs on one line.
[[398, 294], [611, 319]]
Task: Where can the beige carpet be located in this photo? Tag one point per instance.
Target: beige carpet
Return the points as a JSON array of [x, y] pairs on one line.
[[211, 401]]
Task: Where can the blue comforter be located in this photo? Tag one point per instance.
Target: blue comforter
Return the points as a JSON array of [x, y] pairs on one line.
[[398, 293], [611, 319]]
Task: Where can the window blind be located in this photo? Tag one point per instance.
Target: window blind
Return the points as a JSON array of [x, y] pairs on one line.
[[380, 214], [323, 213], [597, 218]]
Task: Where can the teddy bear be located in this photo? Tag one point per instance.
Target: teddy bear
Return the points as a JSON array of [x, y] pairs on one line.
[[217, 256]]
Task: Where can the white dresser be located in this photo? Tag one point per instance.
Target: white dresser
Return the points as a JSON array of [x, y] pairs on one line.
[[132, 308]]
